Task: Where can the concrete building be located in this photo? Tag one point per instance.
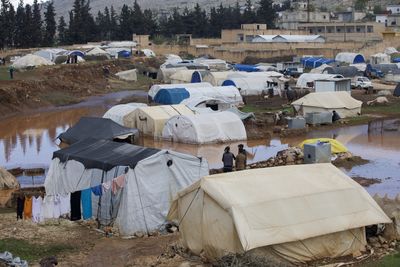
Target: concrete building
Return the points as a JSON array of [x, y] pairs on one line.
[[348, 16], [381, 18], [290, 20], [393, 20], [343, 32], [393, 9]]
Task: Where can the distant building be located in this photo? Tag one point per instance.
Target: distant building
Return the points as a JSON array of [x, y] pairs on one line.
[[348, 16], [393, 9], [393, 20], [381, 18], [338, 32], [290, 20]]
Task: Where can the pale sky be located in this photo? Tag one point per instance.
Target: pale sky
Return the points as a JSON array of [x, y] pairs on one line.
[[16, 2]]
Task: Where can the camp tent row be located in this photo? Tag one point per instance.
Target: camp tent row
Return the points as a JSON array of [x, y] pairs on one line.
[[342, 102], [152, 179], [217, 127], [295, 213]]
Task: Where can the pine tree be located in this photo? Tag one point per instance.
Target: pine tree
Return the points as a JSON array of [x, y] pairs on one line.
[[4, 23], [28, 28], [199, 22], [249, 15], [50, 25], [215, 22], [36, 24], [62, 31], [11, 31], [266, 13], [113, 24], [137, 19], [149, 22], [19, 25], [125, 26]]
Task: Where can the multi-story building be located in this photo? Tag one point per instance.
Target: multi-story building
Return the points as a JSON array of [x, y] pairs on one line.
[[290, 20]]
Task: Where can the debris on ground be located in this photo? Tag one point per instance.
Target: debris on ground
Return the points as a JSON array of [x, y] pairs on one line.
[[290, 156], [9, 260], [348, 161], [365, 182]]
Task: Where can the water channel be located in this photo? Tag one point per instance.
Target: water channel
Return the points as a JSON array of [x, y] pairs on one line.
[[29, 140]]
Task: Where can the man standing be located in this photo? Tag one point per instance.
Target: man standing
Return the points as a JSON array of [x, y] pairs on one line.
[[241, 158], [11, 70], [227, 159]]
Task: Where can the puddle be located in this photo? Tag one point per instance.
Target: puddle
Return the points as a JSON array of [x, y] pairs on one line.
[[28, 141]]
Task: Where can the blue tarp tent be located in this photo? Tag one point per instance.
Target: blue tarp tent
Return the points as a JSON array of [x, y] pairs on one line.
[[246, 68], [396, 60], [124, 54], [171, 96], [77, 53], [315, 62], [228, 83]]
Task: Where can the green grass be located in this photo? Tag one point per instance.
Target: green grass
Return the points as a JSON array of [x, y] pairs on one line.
[[387, 261], [388, 109], [4, 74], [32, 252]]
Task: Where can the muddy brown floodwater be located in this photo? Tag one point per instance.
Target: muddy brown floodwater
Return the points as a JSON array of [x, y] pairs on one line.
[[29, 140]]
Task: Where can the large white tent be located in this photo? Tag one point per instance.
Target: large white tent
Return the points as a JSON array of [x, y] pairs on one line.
[[341, 102], [97, 51], [350, 58], [152, 178], [250, 85], [182, 76], [306, 78], [204, 128], [50, 54], [117, 113], [31, 61], [157, 87], [151, 120], [216, 78], [298, 213]]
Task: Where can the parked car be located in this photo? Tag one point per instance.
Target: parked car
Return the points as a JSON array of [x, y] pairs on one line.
[[293, 72], [361, 83]]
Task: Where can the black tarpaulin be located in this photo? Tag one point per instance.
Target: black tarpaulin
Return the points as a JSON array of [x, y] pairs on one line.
[[104, 154], [98, 128]]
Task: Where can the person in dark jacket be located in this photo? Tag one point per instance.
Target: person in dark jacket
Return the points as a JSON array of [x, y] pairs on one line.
[[241, 158], [227, 159], [335, 116]]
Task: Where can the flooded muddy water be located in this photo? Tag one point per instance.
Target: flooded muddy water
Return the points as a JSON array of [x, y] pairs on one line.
[[29, 140]]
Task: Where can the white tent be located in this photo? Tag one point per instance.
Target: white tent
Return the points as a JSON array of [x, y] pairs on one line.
[[203, 104], [115, 50], [390, 50], [97, 51], [216, 78], [298, 213], [212, 64], [164, 74], [148, 52], [31, 61], [50, 54], [120, 44], [127, 75], [307, 78], [151, 182], [172, 59], [118, 112], [341, 102], [157, 87], [204, 128], [350, 58], [250, 86], [229, 94], [260, 74], [182, 76], [380, 58], [151, 120]]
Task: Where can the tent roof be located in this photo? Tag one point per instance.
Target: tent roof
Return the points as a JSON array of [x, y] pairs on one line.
[[290, 203], [117, 112], [165, 111], [30, 60], [350, 58], [96, 51], [329, 100], [97, 128], [182, 75], [104, 154], [311, 77]]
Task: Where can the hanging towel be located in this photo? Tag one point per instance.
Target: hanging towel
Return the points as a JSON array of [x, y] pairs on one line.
[[65, 204], [86, 198], [106, 186], [47, 207], [117, 183], [37, 209], [97, 190], [76, 206], [28, 208]]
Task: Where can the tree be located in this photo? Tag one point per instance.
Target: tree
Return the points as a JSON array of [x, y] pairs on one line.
[[62, 31], [360, 5], [266, 13], [125, 26], [113, 24], [36, 24], [249, 15], [50, 25], [149, 22], [19, 25], [6, 26], [27, 30], [137, 19], [378, 9]]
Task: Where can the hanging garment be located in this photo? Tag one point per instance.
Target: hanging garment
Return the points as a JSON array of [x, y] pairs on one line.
[[47, 207], [37, 209], [106, 186], [28, 208], [76, 206], [20, 207], [57, 207], [117, 183], [86, 198], [65, 204], [97, 190]]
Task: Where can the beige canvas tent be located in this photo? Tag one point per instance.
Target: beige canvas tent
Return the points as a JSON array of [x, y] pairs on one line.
[[297, 213], [150, 121], [182, 76], [341, 102]]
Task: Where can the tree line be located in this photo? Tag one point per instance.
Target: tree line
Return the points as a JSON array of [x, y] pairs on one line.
[[25, 26]]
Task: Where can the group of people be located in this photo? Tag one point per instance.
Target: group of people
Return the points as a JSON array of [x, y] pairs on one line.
[[72, 59], [240, 159]]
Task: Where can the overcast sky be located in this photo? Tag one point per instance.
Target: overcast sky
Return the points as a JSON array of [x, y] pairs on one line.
[[16, 2]]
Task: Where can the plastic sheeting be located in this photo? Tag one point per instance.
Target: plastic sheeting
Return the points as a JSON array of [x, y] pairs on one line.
[[291, 210], [218, 127], [31, 61], [97, 128], [127, 75], [156, 87], [307, 78], [341, 102], [171, 96], [336, 146]]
